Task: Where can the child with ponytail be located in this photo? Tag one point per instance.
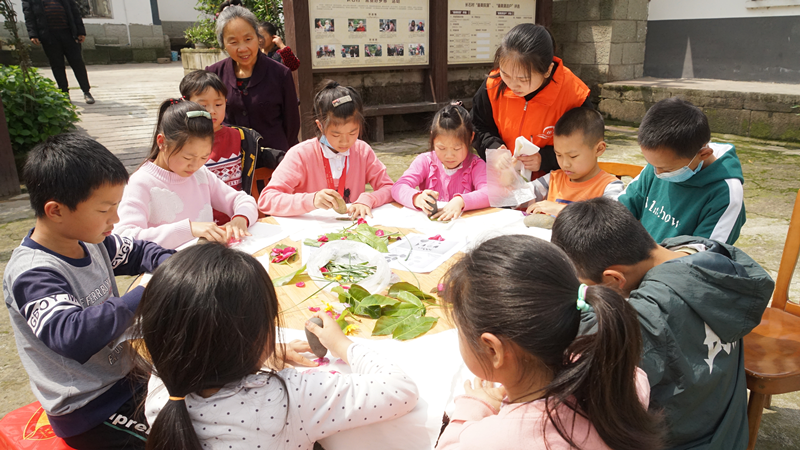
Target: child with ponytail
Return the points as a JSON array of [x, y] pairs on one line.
[[336, 165], [170, 199], [557, 390], [449, 172], [209, 319]]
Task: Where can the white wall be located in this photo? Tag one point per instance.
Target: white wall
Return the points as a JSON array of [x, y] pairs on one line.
[[137, 11], [718, 9], [177, 10]]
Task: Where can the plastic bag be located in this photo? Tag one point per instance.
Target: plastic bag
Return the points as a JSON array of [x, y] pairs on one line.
[[506, 186], [350, 252]]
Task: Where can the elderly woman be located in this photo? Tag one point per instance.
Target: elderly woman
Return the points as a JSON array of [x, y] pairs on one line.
[[261, 92]]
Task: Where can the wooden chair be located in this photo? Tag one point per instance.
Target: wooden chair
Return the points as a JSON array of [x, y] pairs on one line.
[[772, 349], [620, 170], [261, 177]]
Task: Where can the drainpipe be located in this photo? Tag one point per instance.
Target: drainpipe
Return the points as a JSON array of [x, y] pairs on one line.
[[127, 21]]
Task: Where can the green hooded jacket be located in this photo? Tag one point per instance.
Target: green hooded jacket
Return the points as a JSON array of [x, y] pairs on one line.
[[694, 312], [710, 204]]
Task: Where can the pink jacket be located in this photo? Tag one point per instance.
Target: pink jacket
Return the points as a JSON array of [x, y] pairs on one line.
[[159, 205], [476, 425], [301, 175], [427, 172]]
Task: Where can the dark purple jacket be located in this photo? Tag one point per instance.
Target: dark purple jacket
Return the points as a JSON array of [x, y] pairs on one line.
[[268, 105]]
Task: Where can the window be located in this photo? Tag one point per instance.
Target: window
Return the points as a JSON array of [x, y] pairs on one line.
[[95, 8]]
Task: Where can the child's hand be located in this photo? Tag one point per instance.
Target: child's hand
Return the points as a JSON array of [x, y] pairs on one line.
[[531, 162], [545, 207], [424, 199], [290, 354], [325, 199], [278, 42], [330, 335], [359, 210], [236, 228], [485, 390], [209, 230], [451, 210]]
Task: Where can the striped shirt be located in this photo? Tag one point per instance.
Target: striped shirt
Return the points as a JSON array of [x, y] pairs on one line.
[[55, 14]]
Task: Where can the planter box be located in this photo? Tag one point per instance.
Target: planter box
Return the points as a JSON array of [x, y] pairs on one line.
[[200, 58]]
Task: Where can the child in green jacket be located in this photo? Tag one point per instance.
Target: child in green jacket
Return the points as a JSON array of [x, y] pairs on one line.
[[689, 186], [696, 299]]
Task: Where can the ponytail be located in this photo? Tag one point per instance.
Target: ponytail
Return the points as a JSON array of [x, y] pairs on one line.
[[338, 104], [525, 290], [598, 378], [178, 126], [453, 118], [172, 429]]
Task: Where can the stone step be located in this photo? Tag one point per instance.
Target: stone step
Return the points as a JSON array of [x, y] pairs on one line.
[[744, 108]]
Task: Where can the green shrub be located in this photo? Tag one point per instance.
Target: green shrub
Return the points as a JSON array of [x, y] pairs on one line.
[[33, 112], [203, 30]]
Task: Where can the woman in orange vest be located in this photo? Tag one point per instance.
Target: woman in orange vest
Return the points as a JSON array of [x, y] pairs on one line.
[[526, 93]]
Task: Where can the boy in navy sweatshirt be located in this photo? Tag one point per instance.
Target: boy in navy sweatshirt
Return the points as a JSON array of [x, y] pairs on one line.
[[67, 315]]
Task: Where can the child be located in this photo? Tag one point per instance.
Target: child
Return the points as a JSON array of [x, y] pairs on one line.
[[237, 151], [449, 172], [67, 315], [689, 186], [557, 391], [578, 142], [272, 45], [170, 198], [696, 299], [333, 166], [526, 93], [210, 388]]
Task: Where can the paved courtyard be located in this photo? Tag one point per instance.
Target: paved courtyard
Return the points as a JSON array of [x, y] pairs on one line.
[[124, 116]]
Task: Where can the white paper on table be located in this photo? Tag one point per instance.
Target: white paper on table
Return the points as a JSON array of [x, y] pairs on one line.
[[425, 254], [517, 227], [263, 235], [524, 147], [419, 358], [264, 260], [319, 221]]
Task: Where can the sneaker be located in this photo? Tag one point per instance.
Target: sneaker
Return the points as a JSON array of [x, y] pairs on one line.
[[88, 97]]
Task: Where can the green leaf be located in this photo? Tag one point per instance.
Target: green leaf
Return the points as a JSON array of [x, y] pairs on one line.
[[387, 324], [410, 298], [412, 329], [312, 243], [377, 300], [288, 278], [373, 312], [404, 286], [358, 292], [402, 309], [344, 297]]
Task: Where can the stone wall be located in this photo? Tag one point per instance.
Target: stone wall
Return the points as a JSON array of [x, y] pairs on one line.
[[601, 41]]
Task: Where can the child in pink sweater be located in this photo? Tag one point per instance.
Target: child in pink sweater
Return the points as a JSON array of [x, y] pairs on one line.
[[169, 200], [557, 390], [336, 165], [449, 172]]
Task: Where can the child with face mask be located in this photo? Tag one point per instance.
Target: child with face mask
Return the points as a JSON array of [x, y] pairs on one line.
[[690, 186]]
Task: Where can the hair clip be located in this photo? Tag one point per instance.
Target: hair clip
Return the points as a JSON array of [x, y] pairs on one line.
[[175, 101], [176, 399], [192, 114], [581, 303], [456, 103], [342, 100]]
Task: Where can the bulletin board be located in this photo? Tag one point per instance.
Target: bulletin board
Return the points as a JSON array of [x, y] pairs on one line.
[[368, 33], [475, 29]]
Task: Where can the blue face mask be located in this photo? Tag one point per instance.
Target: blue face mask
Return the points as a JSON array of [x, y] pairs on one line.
[[324, 141], [682, 174]]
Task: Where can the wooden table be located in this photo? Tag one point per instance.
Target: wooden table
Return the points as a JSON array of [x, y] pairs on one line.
[[294, 301]]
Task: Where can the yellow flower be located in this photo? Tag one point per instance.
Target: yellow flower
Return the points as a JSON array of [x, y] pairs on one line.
[[351, 330], [338, 277], [328, 307]]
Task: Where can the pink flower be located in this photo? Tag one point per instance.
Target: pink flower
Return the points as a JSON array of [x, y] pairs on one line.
[[379, 233], [333, 372], [438, 237], [323, 269], [345, 287], [361, 220], [440, 287], [280, 255], [322, 361], [313, 308], [336, 316], [300, 284], [340, 361], [322, 238], [343, 238], [329, 313]]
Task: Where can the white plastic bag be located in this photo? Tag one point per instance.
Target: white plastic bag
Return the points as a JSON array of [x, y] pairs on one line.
[[505, 185], [524, 147], [350, 252]]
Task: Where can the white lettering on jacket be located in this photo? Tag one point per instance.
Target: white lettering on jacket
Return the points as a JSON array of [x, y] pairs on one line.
[[660, 213], [715, 345]]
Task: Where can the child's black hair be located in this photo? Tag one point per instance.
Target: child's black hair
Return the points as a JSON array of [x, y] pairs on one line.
[[177, 127], [600, 233], [454, 119], [328, 93], [583, 120], [532, 48], [675, 125], [269, 27], [207, 318], [67, 168], [524, 291], [195, 83]]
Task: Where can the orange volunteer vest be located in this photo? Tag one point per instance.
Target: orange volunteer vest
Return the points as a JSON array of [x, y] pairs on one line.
[[563, 190]]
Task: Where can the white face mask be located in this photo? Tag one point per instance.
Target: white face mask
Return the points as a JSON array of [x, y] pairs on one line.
[[682, 174]]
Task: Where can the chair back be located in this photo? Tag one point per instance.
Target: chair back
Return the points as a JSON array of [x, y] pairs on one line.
[[620, 170], [791, 250], [261, 177]]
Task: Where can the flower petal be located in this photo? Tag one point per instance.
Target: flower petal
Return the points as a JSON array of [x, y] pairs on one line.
[[300, 284]]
